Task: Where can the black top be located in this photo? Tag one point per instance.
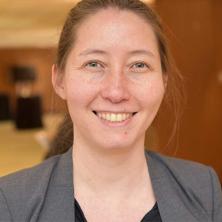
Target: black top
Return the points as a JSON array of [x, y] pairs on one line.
[[152, 216]]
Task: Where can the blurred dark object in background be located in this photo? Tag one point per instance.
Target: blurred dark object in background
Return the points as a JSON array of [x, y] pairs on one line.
[[24, 78], [5, 112], [23, 73], [28, 112]]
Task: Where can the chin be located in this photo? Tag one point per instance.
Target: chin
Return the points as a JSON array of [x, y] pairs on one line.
[[115, 145]]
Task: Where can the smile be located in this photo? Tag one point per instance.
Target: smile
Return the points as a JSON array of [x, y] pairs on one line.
[[114, 117]]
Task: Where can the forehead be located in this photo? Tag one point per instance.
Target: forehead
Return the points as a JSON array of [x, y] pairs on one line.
[[115, 28]]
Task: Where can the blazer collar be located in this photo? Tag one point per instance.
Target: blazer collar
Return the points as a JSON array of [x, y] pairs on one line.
[[59, 202], [168, 197], [168, 192]]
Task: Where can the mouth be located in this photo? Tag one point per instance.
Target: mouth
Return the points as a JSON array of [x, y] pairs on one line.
[[114, 117]]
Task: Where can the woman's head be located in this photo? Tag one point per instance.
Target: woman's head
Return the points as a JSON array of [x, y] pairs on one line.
[[87, 8], [105, 26]]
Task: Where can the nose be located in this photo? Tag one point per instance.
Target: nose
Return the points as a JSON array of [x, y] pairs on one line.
[[115, 88]]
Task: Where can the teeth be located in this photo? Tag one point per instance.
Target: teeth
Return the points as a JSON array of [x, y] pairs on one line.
[[114, 117]]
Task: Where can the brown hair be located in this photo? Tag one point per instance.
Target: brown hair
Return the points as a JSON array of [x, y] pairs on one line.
[[63, 138], [86, 8]]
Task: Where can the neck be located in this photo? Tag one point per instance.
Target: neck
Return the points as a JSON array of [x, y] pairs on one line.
[[116, 172]]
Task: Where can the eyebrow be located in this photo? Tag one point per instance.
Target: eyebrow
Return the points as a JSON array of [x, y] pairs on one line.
[[102, 52]]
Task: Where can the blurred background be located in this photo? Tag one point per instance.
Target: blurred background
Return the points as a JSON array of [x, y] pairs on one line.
[[30, 113]]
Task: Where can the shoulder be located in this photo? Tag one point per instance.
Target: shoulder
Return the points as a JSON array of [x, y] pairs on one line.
[[24, 194], [192, 181], [20, 190], [189, 173], [179, 166], [27, 177], [59, 167]]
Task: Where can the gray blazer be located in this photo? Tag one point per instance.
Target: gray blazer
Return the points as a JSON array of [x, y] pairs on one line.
[[185, 191]]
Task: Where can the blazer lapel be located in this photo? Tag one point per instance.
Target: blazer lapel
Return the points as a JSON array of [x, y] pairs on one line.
[[169, 197], [60, 196], [59, 202]]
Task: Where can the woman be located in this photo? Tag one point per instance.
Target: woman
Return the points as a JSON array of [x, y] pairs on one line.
[[113, 69]]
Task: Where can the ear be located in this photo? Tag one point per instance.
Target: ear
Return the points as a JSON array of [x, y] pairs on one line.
[[57, 82]]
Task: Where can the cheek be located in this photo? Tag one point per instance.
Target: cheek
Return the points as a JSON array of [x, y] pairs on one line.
[[79, 92], [151, 93]]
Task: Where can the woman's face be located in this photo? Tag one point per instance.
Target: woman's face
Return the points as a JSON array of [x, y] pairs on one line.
[[113, 82]]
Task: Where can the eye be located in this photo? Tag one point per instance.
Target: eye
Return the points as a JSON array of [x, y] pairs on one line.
[[94, 65], [140, 67]]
